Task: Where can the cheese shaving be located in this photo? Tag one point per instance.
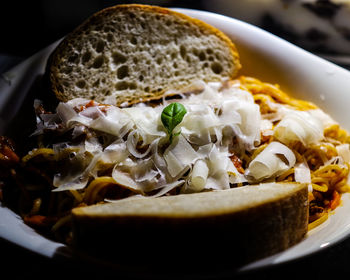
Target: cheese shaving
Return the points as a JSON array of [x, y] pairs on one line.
[[221, 121]]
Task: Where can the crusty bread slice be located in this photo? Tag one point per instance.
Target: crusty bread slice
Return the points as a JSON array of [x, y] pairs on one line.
[[131, 53], [249, 222]]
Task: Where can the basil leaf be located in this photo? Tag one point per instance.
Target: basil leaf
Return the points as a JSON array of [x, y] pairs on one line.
[[172, 115]]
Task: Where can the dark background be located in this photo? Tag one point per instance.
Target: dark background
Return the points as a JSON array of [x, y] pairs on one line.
[[28, 26]]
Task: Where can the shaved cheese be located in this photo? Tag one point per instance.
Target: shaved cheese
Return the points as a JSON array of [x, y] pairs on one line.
[[158, 160], [132, 142], [344, 152], [198, 124], [238, 93], [266, 127], [92, 112], [69, 117], [144, 171], [124, 179], [146, 119], [218, 181], [250, 124], [179, 155], [221, 120], [65, 112], [115, 152], [198, 176], [115, 122], [168, 187], [302, 173], [92, 146], [324, 118], [218, 159], [272, 161], [77, 173], [69, 183], [229, 115], [219, 165], [299, 126], [212, 111]]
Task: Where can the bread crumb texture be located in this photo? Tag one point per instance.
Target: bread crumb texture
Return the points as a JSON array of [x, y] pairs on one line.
[[133, 53]]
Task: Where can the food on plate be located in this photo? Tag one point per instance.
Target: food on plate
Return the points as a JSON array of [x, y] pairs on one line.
[[203, 151]]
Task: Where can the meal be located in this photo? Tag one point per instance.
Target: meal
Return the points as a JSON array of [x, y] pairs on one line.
[[155, 143]]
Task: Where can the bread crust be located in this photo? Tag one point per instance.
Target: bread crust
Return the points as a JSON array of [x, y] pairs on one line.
[[246, 235], [60, 52]]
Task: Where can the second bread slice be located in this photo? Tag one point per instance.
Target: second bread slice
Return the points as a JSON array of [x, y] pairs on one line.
[[132, 53], [245, 224]]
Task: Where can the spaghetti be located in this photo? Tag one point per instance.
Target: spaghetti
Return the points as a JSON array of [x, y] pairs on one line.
[[329, 175]]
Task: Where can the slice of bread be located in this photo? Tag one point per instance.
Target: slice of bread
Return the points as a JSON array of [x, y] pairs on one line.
[[247, 223], [131, 53]]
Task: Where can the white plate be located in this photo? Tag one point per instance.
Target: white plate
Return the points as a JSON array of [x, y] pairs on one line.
[[264, 56]]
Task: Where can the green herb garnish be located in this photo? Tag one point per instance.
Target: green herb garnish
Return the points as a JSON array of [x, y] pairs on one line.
[[171, 116]]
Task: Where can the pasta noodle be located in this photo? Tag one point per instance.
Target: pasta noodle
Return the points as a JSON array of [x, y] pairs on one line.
[[273, 92], [93, 189]]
